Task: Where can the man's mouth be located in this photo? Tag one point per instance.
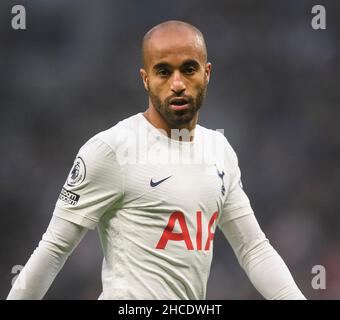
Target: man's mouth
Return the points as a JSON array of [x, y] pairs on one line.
[[179, 103]]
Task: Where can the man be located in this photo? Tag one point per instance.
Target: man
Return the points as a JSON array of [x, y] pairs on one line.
[[157, 184]]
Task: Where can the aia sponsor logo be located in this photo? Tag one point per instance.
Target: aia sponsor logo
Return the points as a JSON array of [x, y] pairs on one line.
[[191, 244]]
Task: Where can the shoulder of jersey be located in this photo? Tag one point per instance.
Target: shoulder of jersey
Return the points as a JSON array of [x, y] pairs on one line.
[[119, 133], [215, 136]]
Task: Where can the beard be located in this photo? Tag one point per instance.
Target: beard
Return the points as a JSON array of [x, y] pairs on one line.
[[178, 118]]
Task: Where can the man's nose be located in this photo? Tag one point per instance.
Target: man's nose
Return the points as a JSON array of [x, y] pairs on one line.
[[177, 84]]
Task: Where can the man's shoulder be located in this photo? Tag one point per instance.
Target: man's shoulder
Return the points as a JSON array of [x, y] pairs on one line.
[[213, 134], [217, 139], [116, 134], [123, 126]]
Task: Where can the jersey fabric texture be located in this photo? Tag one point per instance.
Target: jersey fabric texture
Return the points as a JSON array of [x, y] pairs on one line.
[[156, 202]]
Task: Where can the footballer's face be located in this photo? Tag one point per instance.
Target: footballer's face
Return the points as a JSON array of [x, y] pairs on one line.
[[176, 75]]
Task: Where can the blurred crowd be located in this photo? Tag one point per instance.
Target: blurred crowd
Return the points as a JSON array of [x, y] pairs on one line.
[[274, 90]]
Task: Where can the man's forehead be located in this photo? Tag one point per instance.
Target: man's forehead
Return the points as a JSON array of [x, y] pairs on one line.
[[171, 44], [174, 52]]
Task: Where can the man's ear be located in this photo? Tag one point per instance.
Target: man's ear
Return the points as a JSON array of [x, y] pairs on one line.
[[208, 71], [145, 79]]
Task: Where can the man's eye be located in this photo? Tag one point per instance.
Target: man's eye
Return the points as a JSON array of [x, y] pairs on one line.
[[189, 70], [163, 72]]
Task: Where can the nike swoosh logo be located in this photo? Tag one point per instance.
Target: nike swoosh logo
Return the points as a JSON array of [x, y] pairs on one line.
[[156, 183]]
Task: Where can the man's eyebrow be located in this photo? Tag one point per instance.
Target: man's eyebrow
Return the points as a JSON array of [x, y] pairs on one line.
[[161, 65], [191, 62], [186, 63]]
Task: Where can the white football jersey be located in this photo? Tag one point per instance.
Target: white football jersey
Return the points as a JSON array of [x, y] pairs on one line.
[[156, 202]]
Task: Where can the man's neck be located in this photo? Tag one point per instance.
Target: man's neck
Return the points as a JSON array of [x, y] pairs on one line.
[[153, 116]]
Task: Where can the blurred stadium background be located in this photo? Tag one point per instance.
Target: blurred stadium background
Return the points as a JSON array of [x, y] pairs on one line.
[[274, 90]]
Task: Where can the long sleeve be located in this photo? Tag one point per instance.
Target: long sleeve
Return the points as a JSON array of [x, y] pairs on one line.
[[57, 243], [261, 262]]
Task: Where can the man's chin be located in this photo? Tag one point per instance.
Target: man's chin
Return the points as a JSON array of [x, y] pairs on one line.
[[177, 118]]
